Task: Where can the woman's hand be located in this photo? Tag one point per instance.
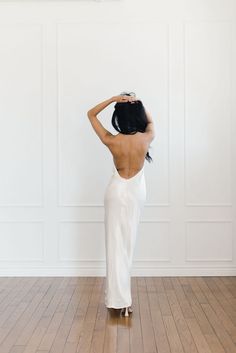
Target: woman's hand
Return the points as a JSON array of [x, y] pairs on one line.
[[123, 98]]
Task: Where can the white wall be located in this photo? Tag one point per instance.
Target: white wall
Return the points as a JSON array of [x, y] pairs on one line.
[[57, 60]]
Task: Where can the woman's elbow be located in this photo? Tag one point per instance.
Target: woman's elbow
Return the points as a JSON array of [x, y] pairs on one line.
[[89, 113]]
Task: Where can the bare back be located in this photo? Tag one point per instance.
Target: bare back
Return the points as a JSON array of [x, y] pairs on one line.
[[129, 153]]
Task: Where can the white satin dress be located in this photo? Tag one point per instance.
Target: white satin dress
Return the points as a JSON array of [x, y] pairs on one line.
[[123, 203]]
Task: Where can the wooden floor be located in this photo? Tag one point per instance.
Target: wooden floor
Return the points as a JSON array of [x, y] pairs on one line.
[[68, 315]]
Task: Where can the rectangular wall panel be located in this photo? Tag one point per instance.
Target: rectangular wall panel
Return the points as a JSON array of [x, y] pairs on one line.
[[209, 241], [153, 242], [21, 241], [208, 72], [21, 115], [91, 71], [81, 241]]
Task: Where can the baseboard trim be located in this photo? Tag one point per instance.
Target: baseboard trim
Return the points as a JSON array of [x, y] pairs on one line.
[[100, 272]]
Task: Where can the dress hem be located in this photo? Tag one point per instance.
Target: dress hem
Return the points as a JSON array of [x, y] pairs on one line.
[[117, 307]]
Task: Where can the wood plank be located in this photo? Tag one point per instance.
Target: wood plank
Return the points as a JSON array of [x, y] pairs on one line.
[[161, 338], [136, 342], [149, 344]]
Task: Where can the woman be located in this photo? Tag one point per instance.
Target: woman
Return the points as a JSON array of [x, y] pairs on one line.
[[126, 192]]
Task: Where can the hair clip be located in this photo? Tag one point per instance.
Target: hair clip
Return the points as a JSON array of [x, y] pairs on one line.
[[131, 94]]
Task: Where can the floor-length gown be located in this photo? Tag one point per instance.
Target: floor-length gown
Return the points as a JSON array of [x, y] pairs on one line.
[[123, 203]]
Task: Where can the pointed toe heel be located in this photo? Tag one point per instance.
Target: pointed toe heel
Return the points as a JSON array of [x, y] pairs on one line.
[[126, 311]]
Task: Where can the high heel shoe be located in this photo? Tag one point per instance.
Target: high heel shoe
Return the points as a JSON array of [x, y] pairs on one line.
[[126, 311]]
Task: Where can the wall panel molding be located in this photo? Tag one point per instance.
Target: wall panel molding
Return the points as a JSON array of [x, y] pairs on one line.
[[41, 28], [213, 22], [113, 23], [206, 235], [41, 243]]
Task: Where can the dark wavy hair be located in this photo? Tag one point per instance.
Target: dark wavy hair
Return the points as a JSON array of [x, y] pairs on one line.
[[129, 118]]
